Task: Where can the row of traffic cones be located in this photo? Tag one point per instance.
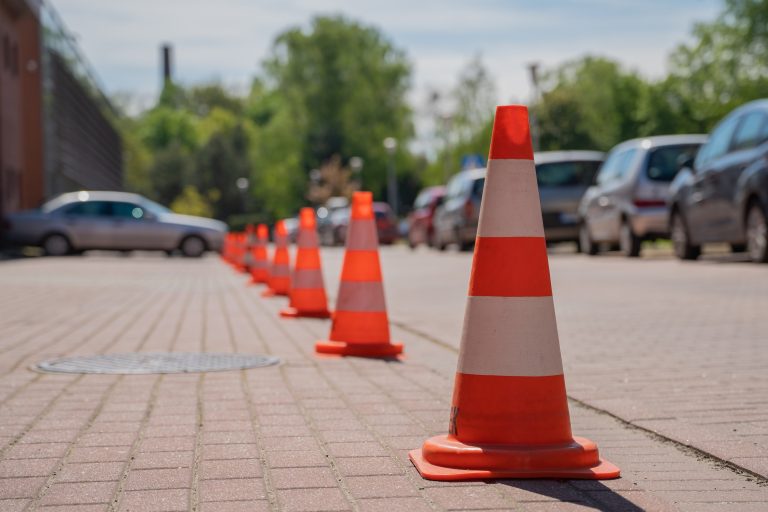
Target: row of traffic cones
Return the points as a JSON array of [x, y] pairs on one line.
[[509, 416]]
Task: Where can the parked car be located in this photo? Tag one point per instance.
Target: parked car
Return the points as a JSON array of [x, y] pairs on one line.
[[628, 203], [455, 220], [78, 221], [386, 224], [328, 218], [722, 195], [292, 228], [420, 221], [563, 176]]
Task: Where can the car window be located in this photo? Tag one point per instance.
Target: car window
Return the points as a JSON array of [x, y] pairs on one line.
[[90, 209], [455, 186], [477, 188], [566, 174], [664, 162], [127, 211], [422, 200], [718, 143], [616, 166], [749, 132]]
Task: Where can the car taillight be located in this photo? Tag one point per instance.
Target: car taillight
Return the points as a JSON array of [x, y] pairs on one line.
[[648, 203], [469, 209]]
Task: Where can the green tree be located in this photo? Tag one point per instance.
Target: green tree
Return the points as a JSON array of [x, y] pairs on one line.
[[589, 103], [725, 66], [192, 202], [343, 85]]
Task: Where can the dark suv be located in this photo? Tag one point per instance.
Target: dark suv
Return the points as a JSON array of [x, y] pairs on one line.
[[722, 196]]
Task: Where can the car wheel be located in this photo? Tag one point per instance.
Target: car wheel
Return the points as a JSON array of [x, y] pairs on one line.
[[192, 247], [56, 245], [757, 233], [629, 243], [586, 244], [681, 241], [738, 247]]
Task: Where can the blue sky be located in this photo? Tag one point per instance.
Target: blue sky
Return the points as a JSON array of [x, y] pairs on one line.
[[225, 40]]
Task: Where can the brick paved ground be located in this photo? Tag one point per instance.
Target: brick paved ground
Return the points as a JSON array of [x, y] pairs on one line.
[[333, 434]]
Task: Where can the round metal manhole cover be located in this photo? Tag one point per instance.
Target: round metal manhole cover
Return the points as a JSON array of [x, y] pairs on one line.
[[160, 362]]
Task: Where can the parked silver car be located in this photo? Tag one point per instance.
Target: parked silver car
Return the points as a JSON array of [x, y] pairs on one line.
[[628, 203], [563, 176], [79, 221]]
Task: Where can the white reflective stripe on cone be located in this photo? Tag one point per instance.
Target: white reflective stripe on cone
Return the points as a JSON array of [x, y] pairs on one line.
[[362, 236], [307, 278], [510, 336], [511, 206], [361, 296], [307, 239], [280, 271]]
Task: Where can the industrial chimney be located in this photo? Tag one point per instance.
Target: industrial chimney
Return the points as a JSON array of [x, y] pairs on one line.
[[167, 56]]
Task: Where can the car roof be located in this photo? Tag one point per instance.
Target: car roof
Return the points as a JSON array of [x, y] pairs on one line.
[[662, 140], [93, 195], [546, 157]]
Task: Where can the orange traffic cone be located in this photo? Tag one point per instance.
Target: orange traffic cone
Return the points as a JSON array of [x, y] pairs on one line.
[[280, 273], [226, 249], [307, 295], [360, 325], [260, 267], [509, 417]]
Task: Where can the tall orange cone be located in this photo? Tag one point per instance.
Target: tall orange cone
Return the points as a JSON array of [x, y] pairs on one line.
[[509, 417], [260, 266], [307, 295], [280, 272], [360, 325]]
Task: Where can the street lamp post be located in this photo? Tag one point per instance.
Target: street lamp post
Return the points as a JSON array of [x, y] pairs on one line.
[[356, 164], [390, 144], [242, 186]]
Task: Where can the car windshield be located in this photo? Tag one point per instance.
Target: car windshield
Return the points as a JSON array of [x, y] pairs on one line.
[[566, 174], [154, 208], [665, 161]]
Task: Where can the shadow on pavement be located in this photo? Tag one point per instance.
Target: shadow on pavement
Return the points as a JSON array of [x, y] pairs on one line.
[[601, 497]]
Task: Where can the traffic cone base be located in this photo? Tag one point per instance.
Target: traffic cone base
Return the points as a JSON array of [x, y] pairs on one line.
[[342, 348], [290, 312], [453, 460]]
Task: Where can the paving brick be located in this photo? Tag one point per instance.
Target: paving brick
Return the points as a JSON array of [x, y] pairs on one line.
[[394, 505], [158, 460], [167, 500], [27, 468], [91, 472], [143, 479], [75, 493], [235, 506], [379, 486], [365, 466], [362, 449], [232, 489], [296, 459], [236, 468], [230, 451], [312, 500], [20, 487], [298, 478]]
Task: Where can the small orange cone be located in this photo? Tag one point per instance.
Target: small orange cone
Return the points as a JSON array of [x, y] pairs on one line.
[[509, 417], [279, 282], [226, 250], [360, 325], [260, 267], [307, 295]]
